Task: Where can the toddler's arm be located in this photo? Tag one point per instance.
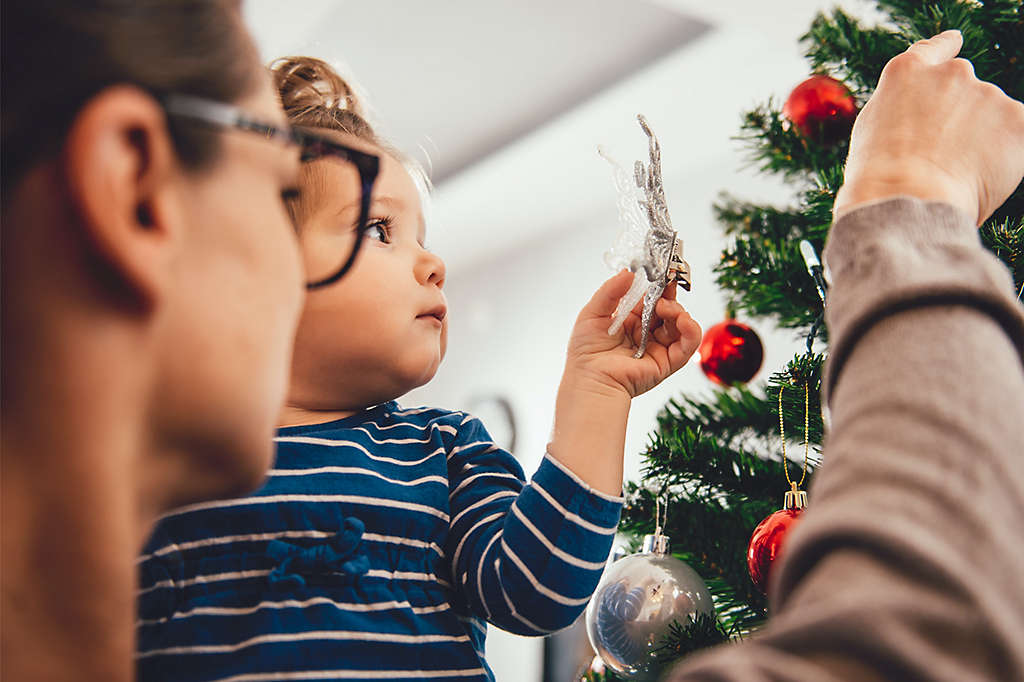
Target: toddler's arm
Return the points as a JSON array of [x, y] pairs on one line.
[[602, 376], [526, 557], [529, 557]]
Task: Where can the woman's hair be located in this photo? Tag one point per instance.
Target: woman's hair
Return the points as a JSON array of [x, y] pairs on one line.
[[315, 96], [58, 54]]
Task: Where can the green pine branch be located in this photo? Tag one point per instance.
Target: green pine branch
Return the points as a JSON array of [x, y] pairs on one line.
[[774, 146], [839, 46], [1006, 240], [762, 271], [802, 372]]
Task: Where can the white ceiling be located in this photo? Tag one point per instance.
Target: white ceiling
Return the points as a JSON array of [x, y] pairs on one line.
[[451, 82], [511, 97]]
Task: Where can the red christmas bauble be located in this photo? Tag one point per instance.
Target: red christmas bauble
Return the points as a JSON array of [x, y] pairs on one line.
[[822, 109], [766, 544], [731, 353]]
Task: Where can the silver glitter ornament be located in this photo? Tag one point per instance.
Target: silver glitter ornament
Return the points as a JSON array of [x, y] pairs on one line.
[[648, 245], [637, 600]]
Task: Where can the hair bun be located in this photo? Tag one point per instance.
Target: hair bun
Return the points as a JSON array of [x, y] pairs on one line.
[[308, 84]]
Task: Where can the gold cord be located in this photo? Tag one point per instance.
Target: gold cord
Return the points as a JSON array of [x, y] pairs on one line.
[[807, 444]]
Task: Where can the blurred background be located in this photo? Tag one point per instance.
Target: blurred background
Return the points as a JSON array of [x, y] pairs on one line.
[[505, 102]]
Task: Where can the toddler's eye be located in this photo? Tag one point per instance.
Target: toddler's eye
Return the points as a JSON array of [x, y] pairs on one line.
[[380, 229]]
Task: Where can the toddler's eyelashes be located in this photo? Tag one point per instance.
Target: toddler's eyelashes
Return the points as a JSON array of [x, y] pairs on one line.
[[380, 229]]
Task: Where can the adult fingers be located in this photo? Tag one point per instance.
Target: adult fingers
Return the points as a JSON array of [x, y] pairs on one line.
[[939, 48]]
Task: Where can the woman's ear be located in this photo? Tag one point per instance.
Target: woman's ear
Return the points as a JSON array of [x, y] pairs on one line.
[[120, 168]]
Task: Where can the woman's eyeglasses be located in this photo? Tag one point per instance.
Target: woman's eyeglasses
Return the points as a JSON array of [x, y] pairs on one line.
[[312, 146]]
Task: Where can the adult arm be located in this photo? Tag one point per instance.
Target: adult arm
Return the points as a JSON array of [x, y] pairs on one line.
[[907, 565]]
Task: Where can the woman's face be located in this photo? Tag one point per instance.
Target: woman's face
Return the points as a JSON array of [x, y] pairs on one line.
[[239, 294]]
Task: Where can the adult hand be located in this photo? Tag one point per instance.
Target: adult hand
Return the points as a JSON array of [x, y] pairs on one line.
[[932, 130]]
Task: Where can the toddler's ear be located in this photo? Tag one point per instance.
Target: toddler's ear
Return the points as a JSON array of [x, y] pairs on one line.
[[119, 164]]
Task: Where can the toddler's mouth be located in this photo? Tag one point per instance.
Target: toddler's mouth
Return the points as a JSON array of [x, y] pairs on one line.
[[436, 313]]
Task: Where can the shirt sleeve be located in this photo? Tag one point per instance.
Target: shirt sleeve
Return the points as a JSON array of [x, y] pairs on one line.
[[526, 557], [907, 565]]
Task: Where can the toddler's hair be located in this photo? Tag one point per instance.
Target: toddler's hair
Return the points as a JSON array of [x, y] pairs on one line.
[[315, 96]]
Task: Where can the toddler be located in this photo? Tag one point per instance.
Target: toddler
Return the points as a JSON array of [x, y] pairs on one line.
[[386, 536]]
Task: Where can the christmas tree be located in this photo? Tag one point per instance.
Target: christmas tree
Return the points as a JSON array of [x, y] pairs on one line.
[[717, 459]]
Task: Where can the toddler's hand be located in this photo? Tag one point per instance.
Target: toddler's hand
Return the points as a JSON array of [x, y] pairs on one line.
[[606, 362]]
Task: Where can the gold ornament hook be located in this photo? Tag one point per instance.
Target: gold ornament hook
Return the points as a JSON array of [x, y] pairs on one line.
[[795, 498]]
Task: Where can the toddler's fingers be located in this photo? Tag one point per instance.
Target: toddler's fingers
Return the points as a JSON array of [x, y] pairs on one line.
[[666, 334], [683, 326], [669, 294], [690, 334], [606, 298], [666, 312]]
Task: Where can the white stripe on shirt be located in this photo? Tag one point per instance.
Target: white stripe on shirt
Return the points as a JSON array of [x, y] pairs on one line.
[[259, 537], [479, 503], [277, 638], [410, 542], [560, 553], [492, 474], [491, 447], [413, 410], [465, 536], [579, 521], [355, 470], [353, 499], [407, 575], [511, 607], [355, 675], [358, 607], [331, 443], [207, 578], [537, 585], [446, 428], [480, 575]]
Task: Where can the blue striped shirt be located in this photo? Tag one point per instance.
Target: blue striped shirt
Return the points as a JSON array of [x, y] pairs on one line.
[[376, 550]]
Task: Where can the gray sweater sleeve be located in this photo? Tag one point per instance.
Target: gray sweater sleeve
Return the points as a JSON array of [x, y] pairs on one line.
[[909, 564]]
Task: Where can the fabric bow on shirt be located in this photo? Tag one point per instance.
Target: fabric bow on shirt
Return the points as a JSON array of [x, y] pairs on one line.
[[336, 556]]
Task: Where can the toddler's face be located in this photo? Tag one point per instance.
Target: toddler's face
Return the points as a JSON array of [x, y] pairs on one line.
[[382, 329]]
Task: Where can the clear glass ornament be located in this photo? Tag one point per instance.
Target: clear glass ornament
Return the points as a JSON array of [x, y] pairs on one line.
[[637, 600]]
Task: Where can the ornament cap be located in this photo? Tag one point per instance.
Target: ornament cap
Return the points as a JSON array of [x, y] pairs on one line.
[[795, 499], [655, 544], [678, 269]]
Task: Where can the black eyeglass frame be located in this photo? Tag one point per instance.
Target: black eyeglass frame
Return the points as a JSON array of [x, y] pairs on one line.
[[312, 146]]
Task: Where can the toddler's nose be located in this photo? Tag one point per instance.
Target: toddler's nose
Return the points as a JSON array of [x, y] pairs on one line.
[[430, 268]]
